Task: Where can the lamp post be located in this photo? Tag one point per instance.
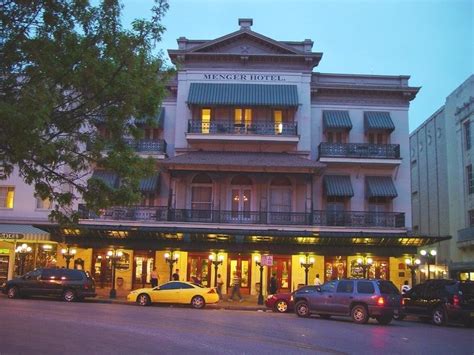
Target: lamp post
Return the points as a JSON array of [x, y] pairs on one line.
[[22, 251], [171, 258], [412, 264], [114, 256], [216, 260], [306, 262], [365, 263], [68, 254], [258, 262], [429, 256]]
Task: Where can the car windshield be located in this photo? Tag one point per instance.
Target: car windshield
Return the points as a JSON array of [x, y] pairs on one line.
[[387, 288]]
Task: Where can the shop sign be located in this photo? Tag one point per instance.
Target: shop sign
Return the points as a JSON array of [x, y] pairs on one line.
[[11, 235], [244, 77], [267, 260], [4, 251]]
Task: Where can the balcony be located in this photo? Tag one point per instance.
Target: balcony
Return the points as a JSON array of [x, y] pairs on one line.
[[333, 152], [317, 218], [151, 146], [248, 131], [465, 237]]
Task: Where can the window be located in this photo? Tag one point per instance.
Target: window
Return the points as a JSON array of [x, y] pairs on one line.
[[201, 196], [336, 136], [345, 287], [387, 288], [471, 218], [278, 120], [7, 195], [171, 286], [243, 115], [45, 204], [467, 134], [378, 138], [365, 287], [379, 204], [470, 181], [335, 207], [329, 286], [205, 120]]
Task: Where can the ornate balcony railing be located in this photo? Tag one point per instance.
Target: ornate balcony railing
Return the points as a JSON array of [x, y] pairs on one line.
[[316, 218], [147, 145], [254, 127], [359, 150]]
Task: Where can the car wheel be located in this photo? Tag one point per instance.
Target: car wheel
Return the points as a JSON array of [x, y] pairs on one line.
[[13, 292], [143, 299], [302, 309], [384, 320], [399, 316], [69, 296], [281, 306], [198, 302], [325, 316], [439, 316], [359, 314]]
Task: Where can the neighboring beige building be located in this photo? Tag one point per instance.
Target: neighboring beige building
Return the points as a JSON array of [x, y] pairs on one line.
[[442, 188]]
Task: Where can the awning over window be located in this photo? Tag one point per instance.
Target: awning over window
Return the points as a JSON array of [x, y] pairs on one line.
[[22, 232], [108, 177], [338, 186], [378, 121], [380, 186], [150, 185], [159, 119], [336, 120], [243, 94]]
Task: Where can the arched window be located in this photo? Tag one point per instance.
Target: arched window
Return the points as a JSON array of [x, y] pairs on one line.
[[202, 179]]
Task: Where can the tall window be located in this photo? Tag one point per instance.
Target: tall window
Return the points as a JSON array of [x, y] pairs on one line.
[[7, 195], [278, 120], [205, 120], [243, 116], [467, 134], [470, 181], [379, 204], [201, 193], [378, 138], [335, 206], [336, 136]]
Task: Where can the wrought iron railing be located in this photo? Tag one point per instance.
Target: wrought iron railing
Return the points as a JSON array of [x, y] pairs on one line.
[[316, 218], [147, 145], [254, 127], [359, 150]]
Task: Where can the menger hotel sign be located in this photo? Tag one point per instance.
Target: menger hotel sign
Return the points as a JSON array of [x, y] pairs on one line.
[[11, 236], [245, 77]]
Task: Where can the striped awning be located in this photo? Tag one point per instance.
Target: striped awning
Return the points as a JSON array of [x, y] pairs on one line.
[[338, 186], [378, 121], [336, 120], [107, 177], [159, 119], [150, 185], [243, 94], [380, 186], [22, 232]]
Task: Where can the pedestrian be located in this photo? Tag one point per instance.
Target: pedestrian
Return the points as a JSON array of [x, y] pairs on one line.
[[273, 285], [317, 281], [175, 276], [154, 278], [219, 285], [405, 287], [235, 287]]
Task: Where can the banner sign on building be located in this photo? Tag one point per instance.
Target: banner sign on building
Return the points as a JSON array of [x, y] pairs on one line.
[[11, 235], [267, 260]]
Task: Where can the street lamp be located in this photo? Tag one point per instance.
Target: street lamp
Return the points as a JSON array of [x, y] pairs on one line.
[[216, 263], [68, 254], [412, 264], [430, 258], [306, 262], [22, 251], [171, 258], [258, 262], [114, 256], [365, 263]]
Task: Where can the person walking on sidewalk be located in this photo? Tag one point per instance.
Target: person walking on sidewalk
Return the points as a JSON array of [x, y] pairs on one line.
[[219, 285], [273, 285], [154, 278], [175, 276], [235, 287]]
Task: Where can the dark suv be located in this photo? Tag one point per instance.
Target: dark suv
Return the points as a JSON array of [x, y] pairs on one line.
[[358, 298], [441, 301], [68, 284]]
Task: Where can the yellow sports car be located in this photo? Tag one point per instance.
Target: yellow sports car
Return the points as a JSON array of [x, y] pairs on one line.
[[175, 292]]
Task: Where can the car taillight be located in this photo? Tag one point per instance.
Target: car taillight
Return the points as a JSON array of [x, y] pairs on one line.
[[212, 291], [86, 287], [456, 300], [380, 301]]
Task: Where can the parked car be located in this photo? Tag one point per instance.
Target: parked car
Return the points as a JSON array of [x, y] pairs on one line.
[[360, 299], [175, 292], [283, 302], [69, 284], [441, 301]]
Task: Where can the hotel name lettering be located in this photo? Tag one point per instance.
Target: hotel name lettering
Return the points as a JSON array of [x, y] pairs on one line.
[[245, 77], [11, 236]]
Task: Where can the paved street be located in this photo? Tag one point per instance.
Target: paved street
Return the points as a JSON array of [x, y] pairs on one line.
[[53, 327]]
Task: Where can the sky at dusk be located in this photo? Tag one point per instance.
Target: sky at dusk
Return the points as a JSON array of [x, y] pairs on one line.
[[431, 40]]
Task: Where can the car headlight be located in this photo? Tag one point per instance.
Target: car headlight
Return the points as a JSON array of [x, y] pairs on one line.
[[291, 298]]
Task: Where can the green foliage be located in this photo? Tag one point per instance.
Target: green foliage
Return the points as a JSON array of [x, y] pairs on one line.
[[67, 68]]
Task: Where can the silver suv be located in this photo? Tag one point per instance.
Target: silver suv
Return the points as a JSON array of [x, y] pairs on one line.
[[360, 299]]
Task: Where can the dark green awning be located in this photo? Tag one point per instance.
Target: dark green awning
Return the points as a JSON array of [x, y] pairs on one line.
[[150, 185], [243, 94], [336, 120], [380, 186], [108, 177], [158, 119], [338, 185], [378, 121]]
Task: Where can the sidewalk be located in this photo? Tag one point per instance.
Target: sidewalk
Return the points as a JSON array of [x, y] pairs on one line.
[[249, 302]]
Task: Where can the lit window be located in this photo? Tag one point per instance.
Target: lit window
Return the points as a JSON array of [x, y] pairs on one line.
[[278, 119], [7, 195], [242, 115], [205, 120]]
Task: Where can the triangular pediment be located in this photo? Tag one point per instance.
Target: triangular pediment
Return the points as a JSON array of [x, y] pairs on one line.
[[244, 43]]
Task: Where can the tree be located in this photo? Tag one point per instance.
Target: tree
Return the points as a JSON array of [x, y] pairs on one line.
[[68, 67]]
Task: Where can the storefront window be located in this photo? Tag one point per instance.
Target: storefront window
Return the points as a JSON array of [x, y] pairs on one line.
[[46, 255], [335, 267]]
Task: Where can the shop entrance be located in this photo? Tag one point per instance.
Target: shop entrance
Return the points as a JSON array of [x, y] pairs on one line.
[[239, 264], [4, 261], [282, 270], [199, 267], [102, 269], [143, 263]]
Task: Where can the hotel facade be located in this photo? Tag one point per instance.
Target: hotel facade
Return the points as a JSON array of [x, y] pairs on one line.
[[256, 154]]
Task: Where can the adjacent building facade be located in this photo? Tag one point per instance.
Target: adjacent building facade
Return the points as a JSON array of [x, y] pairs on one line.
[[257, 155], [442, 186]]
